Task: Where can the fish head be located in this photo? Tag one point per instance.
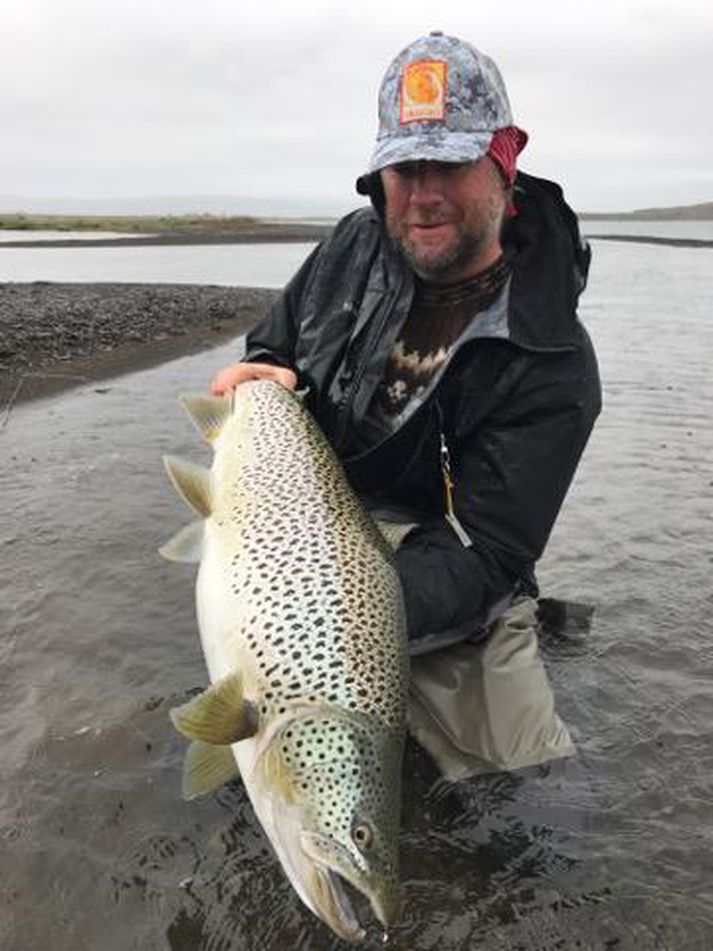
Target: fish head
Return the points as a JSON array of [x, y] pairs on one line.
[[336, 790]]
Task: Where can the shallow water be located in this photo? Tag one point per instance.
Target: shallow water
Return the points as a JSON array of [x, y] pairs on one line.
[[256, 265], [253, 265], [610, 850], [25, 234]]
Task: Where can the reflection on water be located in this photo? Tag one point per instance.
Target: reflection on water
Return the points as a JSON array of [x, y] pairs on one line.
[[26, 234], [610, 850]]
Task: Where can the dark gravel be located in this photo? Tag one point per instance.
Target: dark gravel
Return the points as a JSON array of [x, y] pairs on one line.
[[107, 328]]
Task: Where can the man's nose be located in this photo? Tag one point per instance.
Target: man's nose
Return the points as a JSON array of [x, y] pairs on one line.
[[427, 183]]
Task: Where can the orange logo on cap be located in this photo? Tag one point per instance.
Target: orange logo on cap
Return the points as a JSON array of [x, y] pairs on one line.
[[423, 91]]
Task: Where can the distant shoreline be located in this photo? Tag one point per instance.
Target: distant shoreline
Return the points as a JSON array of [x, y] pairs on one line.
[[275, 233], [262, 234], [304, 235], [703, 211], [652, 239], [211, 229]]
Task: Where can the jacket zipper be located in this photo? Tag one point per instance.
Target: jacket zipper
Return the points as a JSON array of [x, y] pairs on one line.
[[361, 367]]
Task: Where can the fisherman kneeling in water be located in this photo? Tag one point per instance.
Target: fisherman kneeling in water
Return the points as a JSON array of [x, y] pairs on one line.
[[437, 335]]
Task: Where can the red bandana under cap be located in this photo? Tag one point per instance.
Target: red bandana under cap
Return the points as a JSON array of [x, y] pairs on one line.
[[505, 146]]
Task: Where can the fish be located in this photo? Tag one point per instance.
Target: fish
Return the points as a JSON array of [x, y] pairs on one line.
[[302, 624]]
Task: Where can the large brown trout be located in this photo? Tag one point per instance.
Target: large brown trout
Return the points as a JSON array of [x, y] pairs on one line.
[[302, 626]]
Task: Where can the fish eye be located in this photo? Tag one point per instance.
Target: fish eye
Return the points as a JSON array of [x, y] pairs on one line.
[[363, 835]]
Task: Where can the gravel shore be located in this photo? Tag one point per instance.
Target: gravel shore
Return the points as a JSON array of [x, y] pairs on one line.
[[55, 335]]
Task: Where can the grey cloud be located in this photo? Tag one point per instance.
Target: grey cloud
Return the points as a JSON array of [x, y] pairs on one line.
[[140, 98]]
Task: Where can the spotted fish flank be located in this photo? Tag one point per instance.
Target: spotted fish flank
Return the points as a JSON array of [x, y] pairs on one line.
[[303, 631]]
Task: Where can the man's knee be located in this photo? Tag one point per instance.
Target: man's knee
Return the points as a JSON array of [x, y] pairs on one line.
[[480, 708]]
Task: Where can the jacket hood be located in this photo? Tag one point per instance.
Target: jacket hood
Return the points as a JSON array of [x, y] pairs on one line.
[[370, 186], [550, 264]]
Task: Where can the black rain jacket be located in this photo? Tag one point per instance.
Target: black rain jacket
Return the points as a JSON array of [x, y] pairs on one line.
[[514, 404]]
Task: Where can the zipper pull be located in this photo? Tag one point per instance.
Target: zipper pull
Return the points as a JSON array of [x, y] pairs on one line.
[[450, 514]]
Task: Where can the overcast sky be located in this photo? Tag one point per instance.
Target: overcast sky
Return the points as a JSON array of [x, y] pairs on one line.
[[278, 99]]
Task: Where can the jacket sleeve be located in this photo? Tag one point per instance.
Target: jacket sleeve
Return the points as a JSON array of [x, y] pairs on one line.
[[511, 475], [273, 339]]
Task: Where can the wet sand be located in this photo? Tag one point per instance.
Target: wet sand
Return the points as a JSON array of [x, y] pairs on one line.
[[55, 336]]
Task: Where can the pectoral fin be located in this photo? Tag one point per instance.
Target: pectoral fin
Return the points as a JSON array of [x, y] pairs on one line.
[[207, 768], [220, 715], [186, 545], [192, 482], [208, 413]]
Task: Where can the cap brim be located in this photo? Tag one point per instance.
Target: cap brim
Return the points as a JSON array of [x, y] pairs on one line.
[[448, 147]]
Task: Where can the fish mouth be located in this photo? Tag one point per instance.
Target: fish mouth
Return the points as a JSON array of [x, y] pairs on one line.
[[333, 872], [334, 906]]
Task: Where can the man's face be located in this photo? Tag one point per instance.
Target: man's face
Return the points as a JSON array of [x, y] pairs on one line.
[[445, 217]]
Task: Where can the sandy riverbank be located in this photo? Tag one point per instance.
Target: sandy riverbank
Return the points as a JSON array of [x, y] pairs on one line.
[[53, 336]]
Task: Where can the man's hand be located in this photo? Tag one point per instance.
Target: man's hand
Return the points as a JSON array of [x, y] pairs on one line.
[[228, 378]]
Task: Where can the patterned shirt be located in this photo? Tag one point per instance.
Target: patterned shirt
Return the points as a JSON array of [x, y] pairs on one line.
[[439, 314]]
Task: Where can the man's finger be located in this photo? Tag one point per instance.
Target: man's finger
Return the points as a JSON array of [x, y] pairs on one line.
[[230, 377]]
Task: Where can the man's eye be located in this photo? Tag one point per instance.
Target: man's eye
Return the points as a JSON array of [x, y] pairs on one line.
[[406, 169], [453, 168]]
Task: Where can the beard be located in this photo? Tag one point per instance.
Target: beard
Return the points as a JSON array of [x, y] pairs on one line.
[[466, 251], [438, 265]]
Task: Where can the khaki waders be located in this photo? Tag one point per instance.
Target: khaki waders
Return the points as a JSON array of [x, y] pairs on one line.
[[485, 707]]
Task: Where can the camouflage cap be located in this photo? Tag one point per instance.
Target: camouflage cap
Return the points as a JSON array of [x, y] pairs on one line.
[[440, 100]]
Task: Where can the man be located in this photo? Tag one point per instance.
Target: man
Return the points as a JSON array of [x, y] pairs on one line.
[[436, 333]]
